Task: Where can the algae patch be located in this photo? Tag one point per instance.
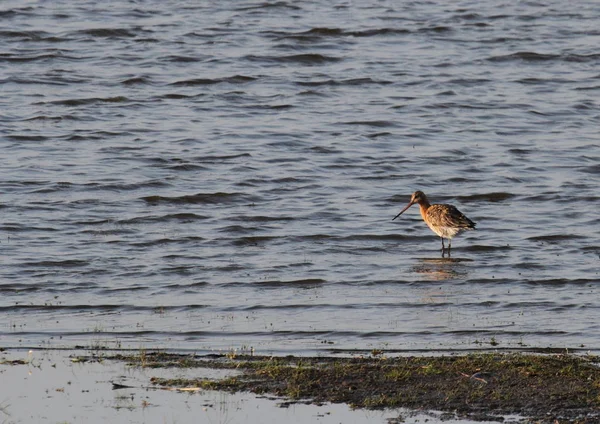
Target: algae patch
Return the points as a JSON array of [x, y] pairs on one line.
[[540, 387]]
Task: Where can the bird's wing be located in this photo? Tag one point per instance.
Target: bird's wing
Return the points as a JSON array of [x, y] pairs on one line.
[[449, 216]]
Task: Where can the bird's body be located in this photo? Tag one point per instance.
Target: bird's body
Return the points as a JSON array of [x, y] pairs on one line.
[[444, 220]]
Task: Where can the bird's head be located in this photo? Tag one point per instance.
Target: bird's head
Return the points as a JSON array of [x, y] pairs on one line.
[[417, 197]]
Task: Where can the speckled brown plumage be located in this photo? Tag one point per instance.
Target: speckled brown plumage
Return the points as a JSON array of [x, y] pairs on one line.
[[444, 220], [447, 216]]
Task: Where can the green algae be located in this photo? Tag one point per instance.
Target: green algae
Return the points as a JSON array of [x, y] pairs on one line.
[[543, 388]]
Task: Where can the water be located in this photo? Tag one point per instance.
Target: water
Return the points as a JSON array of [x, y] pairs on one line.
[[209, 177]]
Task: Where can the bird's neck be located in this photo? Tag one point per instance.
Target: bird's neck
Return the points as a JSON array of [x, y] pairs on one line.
[[423, 206]]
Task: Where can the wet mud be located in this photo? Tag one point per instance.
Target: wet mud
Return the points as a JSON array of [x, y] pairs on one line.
[[488, 387]]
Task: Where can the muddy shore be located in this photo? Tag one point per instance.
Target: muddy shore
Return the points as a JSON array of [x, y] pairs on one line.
[[489, 387]]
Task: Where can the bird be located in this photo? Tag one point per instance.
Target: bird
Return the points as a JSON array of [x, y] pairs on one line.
[[444, 220]]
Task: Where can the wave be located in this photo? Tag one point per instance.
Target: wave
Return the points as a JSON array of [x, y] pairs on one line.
[[324, 32], [303, 59], [200, 198], [494, 197], [236, 79], [109, 32], [527, 56], [278, 284]]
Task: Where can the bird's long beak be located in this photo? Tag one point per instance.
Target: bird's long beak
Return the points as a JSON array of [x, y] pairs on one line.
[[402, 211]]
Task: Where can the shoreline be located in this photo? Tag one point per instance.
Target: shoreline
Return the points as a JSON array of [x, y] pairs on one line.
[[482, 386], [491, 387]]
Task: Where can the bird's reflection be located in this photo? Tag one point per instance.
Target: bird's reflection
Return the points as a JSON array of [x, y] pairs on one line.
[[439, 269]]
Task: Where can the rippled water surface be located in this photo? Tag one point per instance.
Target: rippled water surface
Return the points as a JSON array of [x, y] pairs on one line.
[[223, 175]]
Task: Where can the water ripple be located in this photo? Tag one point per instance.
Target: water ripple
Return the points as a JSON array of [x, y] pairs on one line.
[[205, 177]]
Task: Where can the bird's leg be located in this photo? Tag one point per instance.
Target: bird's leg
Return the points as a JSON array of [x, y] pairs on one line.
[[443, 247]]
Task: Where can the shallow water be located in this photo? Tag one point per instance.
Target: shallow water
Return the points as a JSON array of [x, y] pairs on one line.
[[223, 176]]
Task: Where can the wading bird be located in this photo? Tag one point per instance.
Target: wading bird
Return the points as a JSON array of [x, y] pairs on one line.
[[444, 220]]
